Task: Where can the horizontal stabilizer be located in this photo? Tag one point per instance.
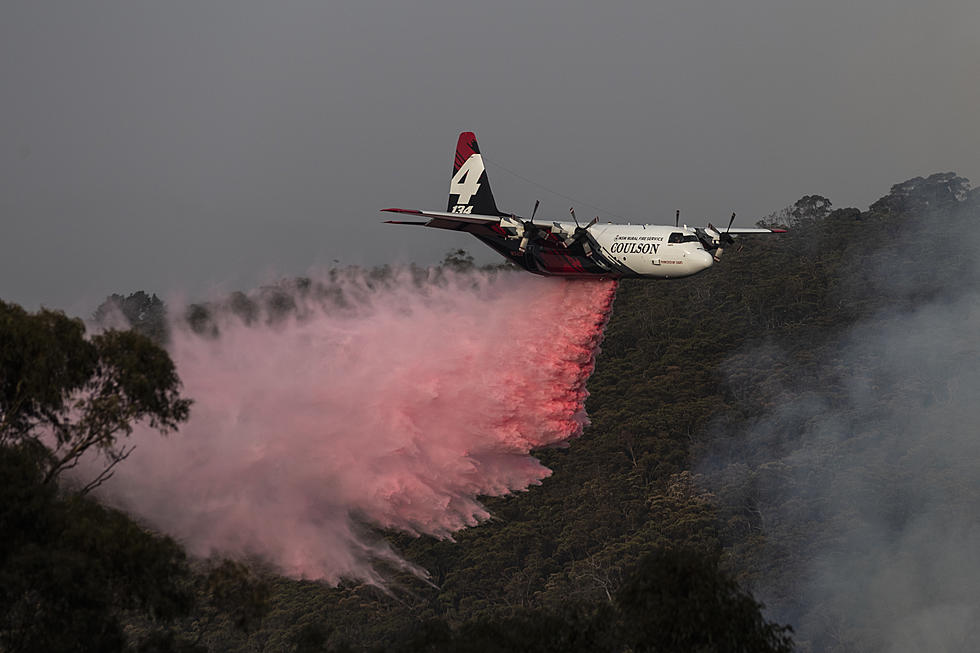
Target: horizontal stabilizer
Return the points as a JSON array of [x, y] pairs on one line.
[[448, 216]]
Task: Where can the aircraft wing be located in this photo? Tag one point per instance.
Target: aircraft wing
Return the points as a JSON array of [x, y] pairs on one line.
[[755, 230], [444, 219]]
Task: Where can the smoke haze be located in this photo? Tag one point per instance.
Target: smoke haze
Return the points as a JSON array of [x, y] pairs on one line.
[[867, 487], [388, 401], [274, 127]]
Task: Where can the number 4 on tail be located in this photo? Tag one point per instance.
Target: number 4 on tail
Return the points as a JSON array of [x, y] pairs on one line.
[[466, 181]]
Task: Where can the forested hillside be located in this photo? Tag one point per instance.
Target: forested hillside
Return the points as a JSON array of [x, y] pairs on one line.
[[688, 372], [783, 420]]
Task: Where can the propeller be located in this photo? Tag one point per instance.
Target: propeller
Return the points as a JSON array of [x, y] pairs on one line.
[[714, 239], [529, 229], [580, 234], [724, 238]]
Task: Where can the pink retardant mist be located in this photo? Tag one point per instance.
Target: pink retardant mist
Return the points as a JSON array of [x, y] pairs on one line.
[[389, 403]]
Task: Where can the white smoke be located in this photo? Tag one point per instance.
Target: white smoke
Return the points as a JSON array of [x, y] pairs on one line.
[[867, 488]]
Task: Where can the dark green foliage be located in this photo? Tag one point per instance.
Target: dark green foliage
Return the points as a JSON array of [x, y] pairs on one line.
[[243, 307], [941, 192], [680, 600], [44, 358], [69, 568], [459, 260], [311, 638], [574, 630], [198, 317], [75, 575], [166, 641], [675, 600], [146, 314], [234, 591], [85, 394]]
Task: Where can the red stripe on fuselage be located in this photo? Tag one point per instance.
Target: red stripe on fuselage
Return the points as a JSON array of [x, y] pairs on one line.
[[559, 263]]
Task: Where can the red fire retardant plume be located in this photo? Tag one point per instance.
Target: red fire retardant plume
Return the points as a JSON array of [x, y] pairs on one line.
[[391, 404]]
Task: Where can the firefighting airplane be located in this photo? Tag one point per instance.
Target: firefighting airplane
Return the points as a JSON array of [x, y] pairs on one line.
[[568, 249]]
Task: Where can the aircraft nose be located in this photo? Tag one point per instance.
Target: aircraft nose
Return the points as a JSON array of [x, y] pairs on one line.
[[701, 259]]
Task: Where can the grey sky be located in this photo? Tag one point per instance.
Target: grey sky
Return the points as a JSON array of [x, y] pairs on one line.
[[180, 146]]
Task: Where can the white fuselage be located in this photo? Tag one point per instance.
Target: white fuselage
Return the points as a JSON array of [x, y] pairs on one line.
[[650, 250]]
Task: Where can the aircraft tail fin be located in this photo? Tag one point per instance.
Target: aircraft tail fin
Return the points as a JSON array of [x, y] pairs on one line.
[[469, 189]]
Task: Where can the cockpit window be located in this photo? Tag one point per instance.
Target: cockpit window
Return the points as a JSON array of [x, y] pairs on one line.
[[676, 237], [690, 238]]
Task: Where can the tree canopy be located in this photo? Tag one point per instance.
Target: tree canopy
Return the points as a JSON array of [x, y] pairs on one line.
[[76, 575], [70, 395]]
